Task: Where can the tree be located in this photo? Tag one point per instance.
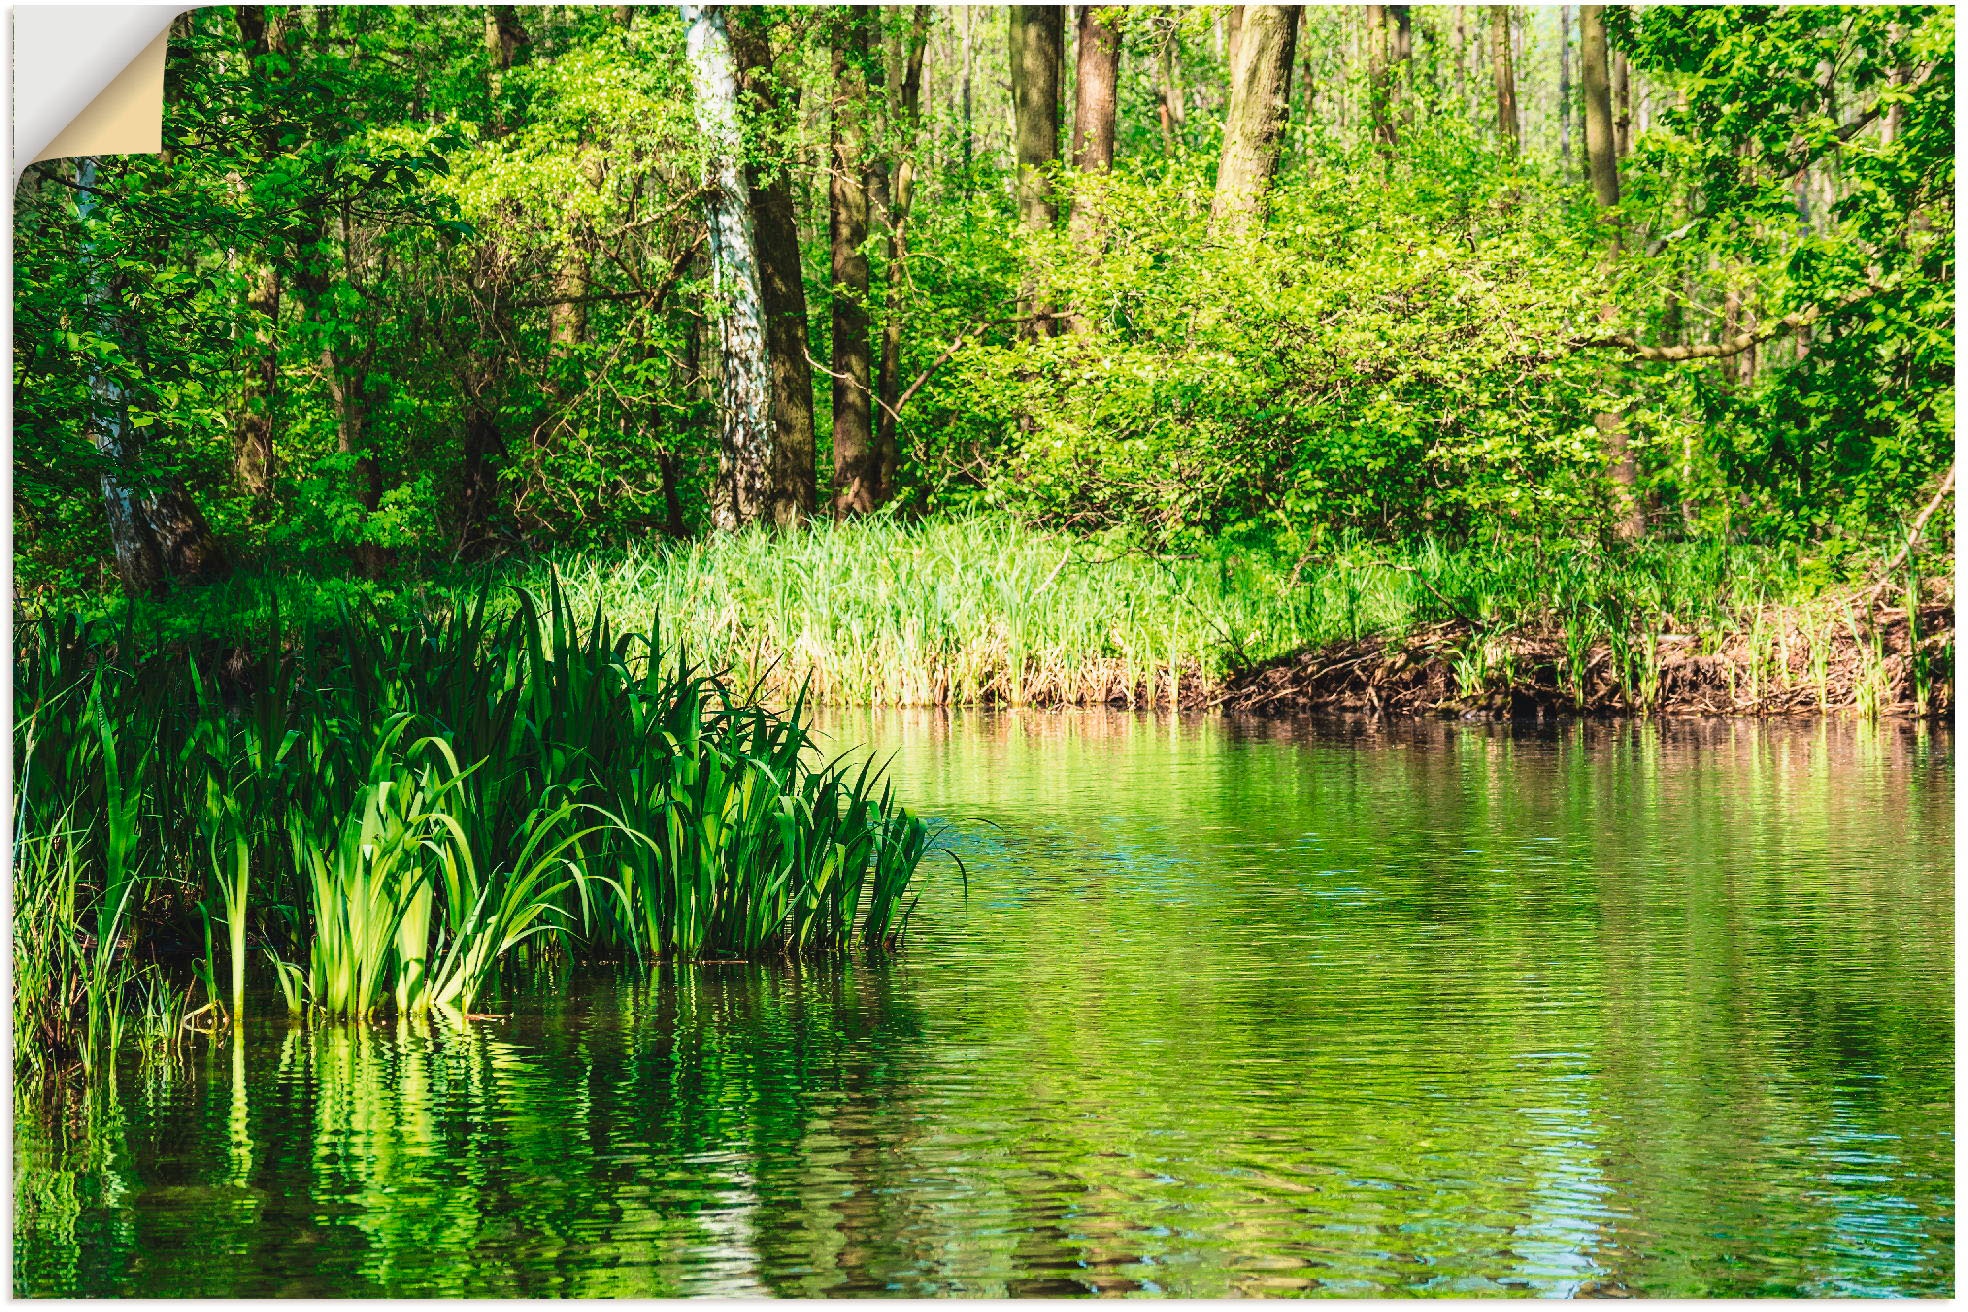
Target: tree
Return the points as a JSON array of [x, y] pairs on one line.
[[782, 286], [1095, 80], [253, 430], [1602, 166], [1380, 92], [744, 483], [907, 123], [156, 532], [1505, 75], [857, 470], [1037, 49], [1260, 100], [1601, 147]]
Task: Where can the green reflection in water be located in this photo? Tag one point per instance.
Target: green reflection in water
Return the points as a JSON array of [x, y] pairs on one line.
[[1226, 1009]]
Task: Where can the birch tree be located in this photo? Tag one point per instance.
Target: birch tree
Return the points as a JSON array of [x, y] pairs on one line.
[[744, 479]]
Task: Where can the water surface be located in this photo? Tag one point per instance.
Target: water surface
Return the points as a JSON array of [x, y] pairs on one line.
[[1224, 1009]]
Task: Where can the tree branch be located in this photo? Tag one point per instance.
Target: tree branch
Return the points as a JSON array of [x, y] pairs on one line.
[[1722, 350]]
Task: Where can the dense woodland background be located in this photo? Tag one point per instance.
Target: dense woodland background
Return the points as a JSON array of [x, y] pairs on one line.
[[413, 287]]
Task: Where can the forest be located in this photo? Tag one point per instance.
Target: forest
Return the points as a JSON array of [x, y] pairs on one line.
[[413, 290]]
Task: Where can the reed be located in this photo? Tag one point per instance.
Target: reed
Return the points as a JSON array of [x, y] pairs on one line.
[[387, 809]]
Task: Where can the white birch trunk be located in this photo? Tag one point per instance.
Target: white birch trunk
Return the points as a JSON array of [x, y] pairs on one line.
[[138, 565], [744, 483]]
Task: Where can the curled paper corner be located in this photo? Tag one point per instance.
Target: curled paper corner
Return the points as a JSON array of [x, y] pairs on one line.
[[88, 80]]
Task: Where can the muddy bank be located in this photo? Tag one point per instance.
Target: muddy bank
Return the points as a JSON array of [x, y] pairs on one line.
[[1788, 663]]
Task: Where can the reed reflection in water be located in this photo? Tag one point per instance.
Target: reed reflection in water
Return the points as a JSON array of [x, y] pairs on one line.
[[1225, 1008]]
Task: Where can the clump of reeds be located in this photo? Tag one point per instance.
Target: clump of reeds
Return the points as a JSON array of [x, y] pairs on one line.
[[384, 811]]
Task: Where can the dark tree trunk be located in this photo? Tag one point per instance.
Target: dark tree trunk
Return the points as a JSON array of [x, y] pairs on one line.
[[1260, 100], [484, 438], [156, 532], [1380, 106], [783, 290], [252, 434], [1037, 49], [1094, 100], [1565, 91], [857, 472], [253, 430], [1505, 74], [1096, 76], [1402, 39], [1602, 166], [908, 107]]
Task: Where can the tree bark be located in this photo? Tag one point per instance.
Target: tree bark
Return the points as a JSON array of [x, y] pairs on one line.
[[253, 429], [503, 38], [1601, 146], [1380, 99], [1169, 85], [1505, 75], [888, 454], [1462, 55], [1565, 90], [1402, 61], [857, 471], [743, 490], [252, 434], [156, 533], [1260, 100], [1622, 105], [484, 437], [1096, 76], [1037, 48], [782, 288], [1602, 166]]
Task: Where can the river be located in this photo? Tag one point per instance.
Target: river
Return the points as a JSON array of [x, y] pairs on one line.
[[1211, 1008]]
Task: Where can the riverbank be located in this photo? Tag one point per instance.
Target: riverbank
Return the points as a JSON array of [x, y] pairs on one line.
[[984, 610]]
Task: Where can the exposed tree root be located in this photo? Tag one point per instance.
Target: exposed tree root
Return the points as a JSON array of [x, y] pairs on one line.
[[1789, 662]]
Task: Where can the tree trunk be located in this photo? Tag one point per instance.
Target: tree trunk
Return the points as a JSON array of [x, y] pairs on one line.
[[1462, 56], [252, 434], [969, 14], [1094, 101], [253, 429], [1565, 90], [1094, 87], [1402, 71], [1602, 166], [888, 453], [1622, 105], [484, 438], [1505, 74], [783, 290], [1260, 100], [1169, 84], [156, 534], [503, 38], [1380, 107], [1602, 162], [1037, 42], [744, 481], [857, 471]]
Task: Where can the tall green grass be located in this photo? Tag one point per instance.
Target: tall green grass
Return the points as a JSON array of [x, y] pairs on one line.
[[985, 609], [386, 809]]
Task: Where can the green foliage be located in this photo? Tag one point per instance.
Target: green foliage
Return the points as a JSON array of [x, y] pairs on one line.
[[415, 800], [495, 331]]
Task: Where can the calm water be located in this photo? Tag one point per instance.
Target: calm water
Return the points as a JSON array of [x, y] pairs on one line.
[[1225, 1009]]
